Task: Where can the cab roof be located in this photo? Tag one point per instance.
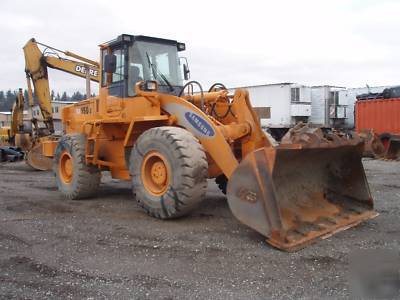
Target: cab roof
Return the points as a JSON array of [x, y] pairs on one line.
[[128, 38]]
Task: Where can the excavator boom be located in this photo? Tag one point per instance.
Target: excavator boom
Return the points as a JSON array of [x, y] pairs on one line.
[[36, 66]]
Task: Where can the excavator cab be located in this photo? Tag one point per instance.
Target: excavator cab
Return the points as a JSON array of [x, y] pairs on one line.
[[130, 59]]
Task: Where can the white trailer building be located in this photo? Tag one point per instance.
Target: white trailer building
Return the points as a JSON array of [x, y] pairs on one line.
[[323, 106], [326, 108], [289, 103], [56, 107]]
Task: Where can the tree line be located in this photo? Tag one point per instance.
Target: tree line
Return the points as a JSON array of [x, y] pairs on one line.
[[7, 98]]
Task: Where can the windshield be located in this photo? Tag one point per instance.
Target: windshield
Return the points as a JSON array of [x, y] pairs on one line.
[[150, 61]]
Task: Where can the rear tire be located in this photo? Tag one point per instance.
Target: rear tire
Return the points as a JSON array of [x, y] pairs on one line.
[[75, 179], [169, 172]]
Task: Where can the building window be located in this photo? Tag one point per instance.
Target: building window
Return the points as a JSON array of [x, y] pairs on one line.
[[295, 94], [56, 109], [334, 98]]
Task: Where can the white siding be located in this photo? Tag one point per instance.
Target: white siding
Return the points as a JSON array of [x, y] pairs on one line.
[[318, 105], [278, 98], [57, 107]]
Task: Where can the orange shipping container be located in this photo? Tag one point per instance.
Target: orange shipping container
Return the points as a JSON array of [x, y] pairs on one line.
[[381, 115]]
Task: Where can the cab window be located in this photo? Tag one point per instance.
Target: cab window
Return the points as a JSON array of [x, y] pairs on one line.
[[117, 86], [118, 75]]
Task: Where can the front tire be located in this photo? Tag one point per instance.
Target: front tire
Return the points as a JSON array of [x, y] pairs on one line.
[[75, 179], [169, 172]]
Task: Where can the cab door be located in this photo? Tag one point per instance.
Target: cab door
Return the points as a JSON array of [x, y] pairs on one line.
[[117, 84]]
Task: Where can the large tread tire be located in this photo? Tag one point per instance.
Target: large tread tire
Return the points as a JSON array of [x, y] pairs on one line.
[[188, 165], [85, 178]]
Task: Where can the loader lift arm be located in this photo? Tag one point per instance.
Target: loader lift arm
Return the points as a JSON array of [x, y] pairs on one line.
[[36, 63]]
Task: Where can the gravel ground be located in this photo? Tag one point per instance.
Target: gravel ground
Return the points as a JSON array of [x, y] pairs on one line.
[[109, 248]]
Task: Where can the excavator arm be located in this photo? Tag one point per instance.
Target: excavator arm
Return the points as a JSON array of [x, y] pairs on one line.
[[17, 115], [36, 64]]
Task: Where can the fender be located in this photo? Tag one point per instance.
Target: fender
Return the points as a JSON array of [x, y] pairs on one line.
[[201, 126]]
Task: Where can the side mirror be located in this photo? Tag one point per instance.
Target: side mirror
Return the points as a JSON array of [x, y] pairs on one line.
[[110, 63], [186, 72]]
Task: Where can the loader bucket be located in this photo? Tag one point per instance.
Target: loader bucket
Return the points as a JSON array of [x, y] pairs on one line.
[[36, 159], [295, 195]]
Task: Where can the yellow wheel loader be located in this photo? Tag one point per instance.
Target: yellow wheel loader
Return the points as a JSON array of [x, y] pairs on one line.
[[148, 127]]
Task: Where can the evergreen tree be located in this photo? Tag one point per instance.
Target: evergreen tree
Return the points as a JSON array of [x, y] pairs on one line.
[[26, 99], [10, 100], [64, 97], [2, 101], [10, 96], [52, 95], [77, 96], [58, 98], [26, 96]]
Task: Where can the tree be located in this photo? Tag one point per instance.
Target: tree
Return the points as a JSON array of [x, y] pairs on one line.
[[58, 98], [10, 96], [77, 96], [64, 97], [52, 96], [26, 96], [9, 101], [2, 101]]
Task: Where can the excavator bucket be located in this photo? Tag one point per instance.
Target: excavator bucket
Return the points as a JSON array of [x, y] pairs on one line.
[[36, 159], [294, 195], [23, 141]]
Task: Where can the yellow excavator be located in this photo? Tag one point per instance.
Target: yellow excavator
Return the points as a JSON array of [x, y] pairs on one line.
[[148, 127], [18, 134], [36, 63], [15, 134]]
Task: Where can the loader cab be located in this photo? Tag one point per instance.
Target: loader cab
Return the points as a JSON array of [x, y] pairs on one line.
[[129, 59]]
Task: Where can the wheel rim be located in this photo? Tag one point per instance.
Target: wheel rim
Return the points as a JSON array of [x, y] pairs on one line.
[[66, 167], [155, 173]]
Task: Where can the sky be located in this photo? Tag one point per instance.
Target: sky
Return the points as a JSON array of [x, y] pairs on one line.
[[239, 43]]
